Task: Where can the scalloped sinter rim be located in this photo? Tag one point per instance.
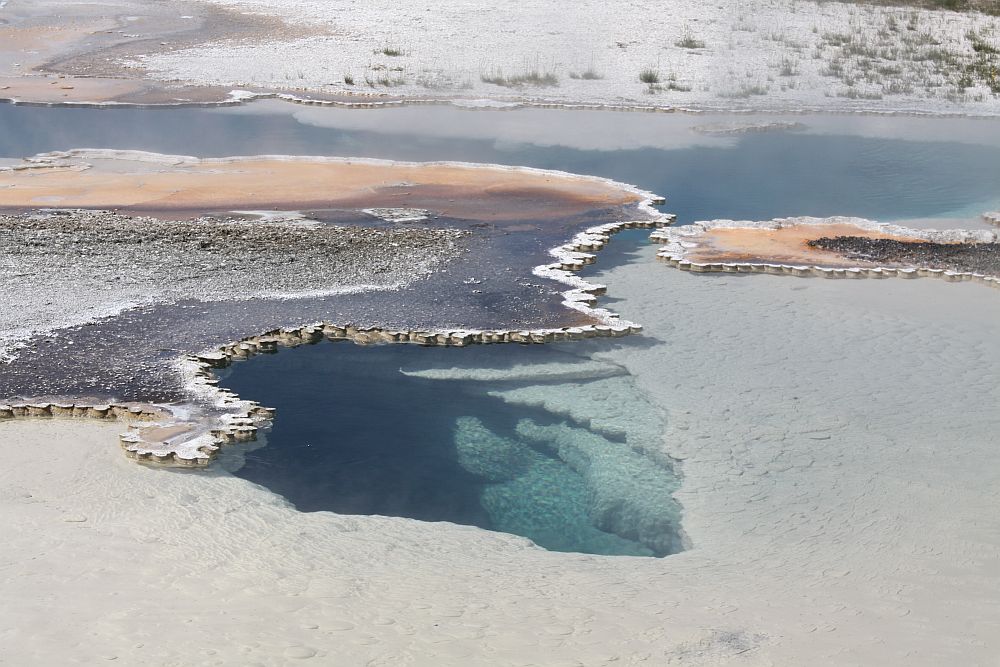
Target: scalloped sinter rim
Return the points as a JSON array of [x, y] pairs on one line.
[[155, 435], [164, 439], [244, 97], [241, 422], [178, 442], [678, 244]]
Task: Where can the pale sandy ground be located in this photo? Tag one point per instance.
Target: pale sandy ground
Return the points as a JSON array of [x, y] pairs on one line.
[[840, 482], [763, 54], [746, 54], [25, 48], [55, 30]]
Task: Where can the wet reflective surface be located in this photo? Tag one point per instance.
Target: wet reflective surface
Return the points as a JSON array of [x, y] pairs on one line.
[[869, 166], [840, 166]]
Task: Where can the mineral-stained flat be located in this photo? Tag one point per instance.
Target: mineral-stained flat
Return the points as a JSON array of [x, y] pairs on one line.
[[175, 185], [832, 247], [55, 52]]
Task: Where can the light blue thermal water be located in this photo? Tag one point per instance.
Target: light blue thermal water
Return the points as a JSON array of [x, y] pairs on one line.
[[356, 435]]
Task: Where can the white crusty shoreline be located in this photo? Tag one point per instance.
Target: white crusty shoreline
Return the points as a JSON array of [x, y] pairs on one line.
[[241, 420], [177, 440], [240, 98], [78, 159], [764, 55]]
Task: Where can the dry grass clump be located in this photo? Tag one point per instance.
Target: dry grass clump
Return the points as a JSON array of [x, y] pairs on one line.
[[688, 41], [912, 51], [589, 74], [650, 75], [530, 78], [531, 74], [991, 7]]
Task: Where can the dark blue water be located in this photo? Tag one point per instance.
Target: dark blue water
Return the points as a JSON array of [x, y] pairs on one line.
[[762, 175], [356, 436]]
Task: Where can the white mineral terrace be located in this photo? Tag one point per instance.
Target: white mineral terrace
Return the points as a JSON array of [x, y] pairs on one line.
[[192, 447]]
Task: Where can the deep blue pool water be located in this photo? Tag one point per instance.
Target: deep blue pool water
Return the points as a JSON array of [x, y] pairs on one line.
[[357, 436]]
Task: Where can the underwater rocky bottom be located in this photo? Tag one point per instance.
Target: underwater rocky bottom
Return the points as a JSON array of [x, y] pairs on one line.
[[540, 441]]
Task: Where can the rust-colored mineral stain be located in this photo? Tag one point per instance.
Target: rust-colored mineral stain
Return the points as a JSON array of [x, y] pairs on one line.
[[31, 46], [475, 193], [72, 55], [788, 245]]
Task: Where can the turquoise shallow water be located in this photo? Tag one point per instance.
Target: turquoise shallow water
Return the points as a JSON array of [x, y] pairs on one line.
[[358, 436]]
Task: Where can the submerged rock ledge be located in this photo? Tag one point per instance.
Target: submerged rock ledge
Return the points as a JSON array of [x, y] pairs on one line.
[[781, 247]]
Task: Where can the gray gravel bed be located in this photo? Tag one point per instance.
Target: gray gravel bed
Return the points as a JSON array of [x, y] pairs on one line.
[[65, 268], [964, 257]]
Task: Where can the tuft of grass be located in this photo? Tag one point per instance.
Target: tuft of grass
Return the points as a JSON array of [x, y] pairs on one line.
[[391, 51], [688, 41], [590, 74], [855, 94], [389, 82], [789, 67], [980, 45], [991, 7], [650, 75], [745, 91], [531, 76], [348, 79]]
